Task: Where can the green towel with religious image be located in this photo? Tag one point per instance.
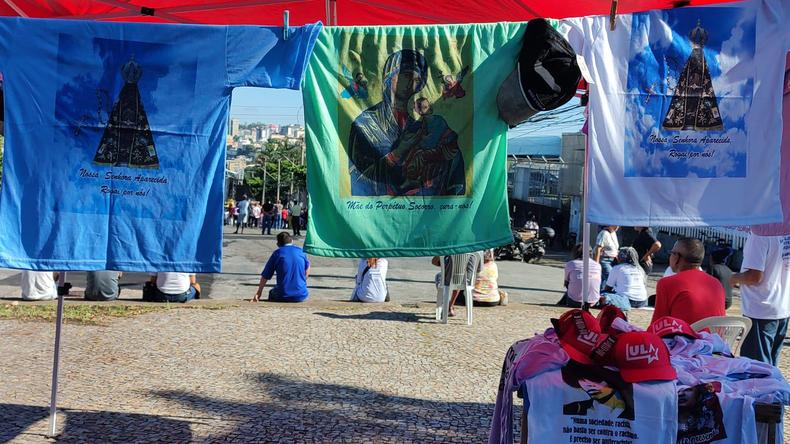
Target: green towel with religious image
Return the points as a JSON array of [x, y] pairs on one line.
[[406, 153]]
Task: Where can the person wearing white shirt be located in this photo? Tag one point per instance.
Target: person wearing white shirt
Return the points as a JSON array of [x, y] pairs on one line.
[[371, 281], [765, 295], [625, 286], [295, 213], [38, 285], [244, 211], [606, 247], [175, 287]]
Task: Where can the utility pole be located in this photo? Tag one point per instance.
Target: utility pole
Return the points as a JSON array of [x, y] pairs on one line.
[[263, 189], [278, 180], [291, 192]]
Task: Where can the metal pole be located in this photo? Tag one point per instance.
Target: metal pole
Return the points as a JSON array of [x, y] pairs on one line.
[[263, 189], [328, 18], [586, 226], [278, 180], [291, 192], [53, 402]]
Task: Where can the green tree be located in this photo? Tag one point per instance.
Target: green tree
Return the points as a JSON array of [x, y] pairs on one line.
[[291, 170]]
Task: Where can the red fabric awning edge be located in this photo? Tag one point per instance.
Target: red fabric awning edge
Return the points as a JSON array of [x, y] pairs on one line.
[[335, 12]]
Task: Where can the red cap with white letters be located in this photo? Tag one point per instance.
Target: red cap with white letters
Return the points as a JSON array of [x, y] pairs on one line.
[[643, 356], [669, 326]]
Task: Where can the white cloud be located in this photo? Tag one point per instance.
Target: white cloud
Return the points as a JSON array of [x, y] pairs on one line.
[[736, 62], [660, 31]]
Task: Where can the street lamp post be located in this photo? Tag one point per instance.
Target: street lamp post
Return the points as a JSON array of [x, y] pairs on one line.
[[278, 180], [263, 188]]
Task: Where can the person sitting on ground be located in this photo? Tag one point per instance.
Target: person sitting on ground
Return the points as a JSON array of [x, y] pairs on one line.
[[102, 285], [38, 285], [574, 272], [486, 292], [690, 294], [722, 272], [371, 281], [292, 268], [173, 287], [625, 287]]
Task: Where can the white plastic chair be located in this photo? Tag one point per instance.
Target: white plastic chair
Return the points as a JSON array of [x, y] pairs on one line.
[[732, 329], [459, 272]]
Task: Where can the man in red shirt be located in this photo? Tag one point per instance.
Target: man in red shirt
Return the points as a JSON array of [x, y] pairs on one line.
[[690, 294]]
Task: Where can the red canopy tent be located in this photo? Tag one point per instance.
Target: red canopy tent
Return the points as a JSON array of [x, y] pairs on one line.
[[331, 12]]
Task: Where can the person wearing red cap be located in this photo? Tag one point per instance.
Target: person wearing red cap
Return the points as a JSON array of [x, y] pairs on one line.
[[690, 294]]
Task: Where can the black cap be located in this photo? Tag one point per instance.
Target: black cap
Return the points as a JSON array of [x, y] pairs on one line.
[[545, 77]]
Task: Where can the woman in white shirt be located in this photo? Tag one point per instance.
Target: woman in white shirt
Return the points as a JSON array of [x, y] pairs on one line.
[[371, 281], [606, 247], [625, 286]]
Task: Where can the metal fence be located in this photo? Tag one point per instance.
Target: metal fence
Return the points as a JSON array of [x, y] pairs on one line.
[[732, 237]]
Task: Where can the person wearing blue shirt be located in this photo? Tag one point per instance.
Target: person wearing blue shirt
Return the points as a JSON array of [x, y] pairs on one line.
[[292, 268]]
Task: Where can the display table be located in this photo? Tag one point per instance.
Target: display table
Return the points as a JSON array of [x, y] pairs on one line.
[[768, 416], [631, 386]]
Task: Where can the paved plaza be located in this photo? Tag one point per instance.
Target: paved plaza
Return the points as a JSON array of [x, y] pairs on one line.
[[226, 370]]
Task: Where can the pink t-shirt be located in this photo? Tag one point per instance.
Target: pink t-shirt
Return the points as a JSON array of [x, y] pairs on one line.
[[574, 271]]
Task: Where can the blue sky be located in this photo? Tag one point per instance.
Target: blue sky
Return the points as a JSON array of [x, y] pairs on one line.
[[284, 106], [278, 106]]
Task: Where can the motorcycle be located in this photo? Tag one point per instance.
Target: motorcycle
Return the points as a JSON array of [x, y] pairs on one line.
[[532, 249], [513, 250]]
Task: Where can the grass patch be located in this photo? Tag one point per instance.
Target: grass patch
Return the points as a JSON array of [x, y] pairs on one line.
[[89, 314]]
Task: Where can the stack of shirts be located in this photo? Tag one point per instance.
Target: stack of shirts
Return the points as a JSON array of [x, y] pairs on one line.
[[605, 380]]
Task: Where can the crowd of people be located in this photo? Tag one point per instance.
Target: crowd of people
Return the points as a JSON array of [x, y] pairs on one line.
[[686, 291], [617, 276], [104, 285], [281, 215]]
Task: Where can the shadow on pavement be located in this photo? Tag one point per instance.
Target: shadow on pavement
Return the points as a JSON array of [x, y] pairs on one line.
[[510, 287], [85, 426], [380, 316], [297, 411]]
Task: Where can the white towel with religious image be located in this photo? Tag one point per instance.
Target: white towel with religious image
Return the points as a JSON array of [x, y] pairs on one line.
[[685, 113]]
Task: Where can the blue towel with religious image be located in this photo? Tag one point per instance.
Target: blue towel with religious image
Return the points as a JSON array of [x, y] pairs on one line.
[[115, 138]]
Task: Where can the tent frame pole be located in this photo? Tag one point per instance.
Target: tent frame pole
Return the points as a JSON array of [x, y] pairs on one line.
[[53, 402], [586, 226], [328, 14]]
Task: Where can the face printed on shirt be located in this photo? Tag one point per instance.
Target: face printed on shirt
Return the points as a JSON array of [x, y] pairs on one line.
[[598, 387], [700, 417]]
